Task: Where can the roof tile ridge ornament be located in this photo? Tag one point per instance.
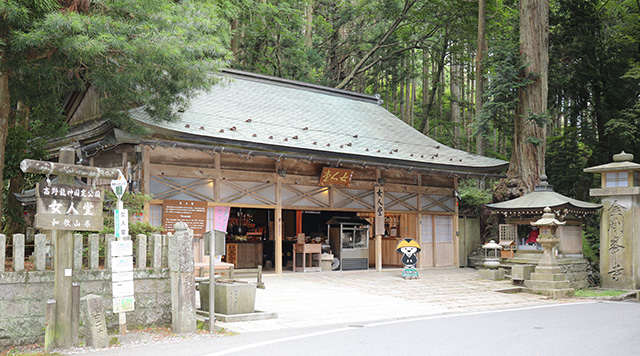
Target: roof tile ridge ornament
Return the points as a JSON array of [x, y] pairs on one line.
[[543, 186]]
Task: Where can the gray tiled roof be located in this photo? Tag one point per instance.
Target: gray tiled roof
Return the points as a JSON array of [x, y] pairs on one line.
[[251, 110], [543, 196]]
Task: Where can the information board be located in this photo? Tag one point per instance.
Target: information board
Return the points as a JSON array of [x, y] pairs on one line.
[[193, 213]]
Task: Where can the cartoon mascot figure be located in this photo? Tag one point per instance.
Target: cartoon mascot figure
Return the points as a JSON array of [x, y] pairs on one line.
[[409, 249]]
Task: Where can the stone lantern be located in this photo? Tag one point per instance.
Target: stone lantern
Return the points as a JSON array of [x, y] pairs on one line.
[[492, 261], [619, 222], [548, 278], [548, 239], [491, 258]]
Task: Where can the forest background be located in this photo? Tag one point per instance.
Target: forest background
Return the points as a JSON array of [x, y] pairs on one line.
[[421, 56]]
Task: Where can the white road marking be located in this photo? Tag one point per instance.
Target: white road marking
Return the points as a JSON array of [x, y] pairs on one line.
[[388, 322]]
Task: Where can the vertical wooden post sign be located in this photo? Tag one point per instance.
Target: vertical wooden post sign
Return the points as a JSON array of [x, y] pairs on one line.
[[122, 262], [379, 224], [63, 208]]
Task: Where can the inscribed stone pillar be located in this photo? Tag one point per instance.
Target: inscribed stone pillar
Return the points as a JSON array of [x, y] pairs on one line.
[[183, 288], [93, 319], [619, 229], [619, 222]]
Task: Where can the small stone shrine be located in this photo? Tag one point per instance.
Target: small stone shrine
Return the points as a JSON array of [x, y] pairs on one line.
[[619, 223]]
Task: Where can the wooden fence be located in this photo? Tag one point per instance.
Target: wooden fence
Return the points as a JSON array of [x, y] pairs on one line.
[[21, 252]]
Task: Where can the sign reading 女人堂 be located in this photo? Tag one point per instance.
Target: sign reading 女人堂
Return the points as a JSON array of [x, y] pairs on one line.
[[68, 207], [335, 176]]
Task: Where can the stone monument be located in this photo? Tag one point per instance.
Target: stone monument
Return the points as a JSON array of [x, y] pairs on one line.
[[619, 222], [95, 327], [183, 286]]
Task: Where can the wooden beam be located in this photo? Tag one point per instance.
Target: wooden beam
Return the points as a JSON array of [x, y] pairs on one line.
[[63, 261], [278, 223], [67, 169]]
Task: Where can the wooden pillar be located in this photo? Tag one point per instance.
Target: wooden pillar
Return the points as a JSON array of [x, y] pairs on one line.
[[378, 224], [456, 225], [217, 177], [298, 222], [419, 217], [145, 184], [278, 223], [63, 263]]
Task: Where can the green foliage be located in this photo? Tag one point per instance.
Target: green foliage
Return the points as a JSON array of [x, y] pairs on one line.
[[591, 239], [138, 228], [155, 52], [591, 293], [472, 198], [135, 204], [566, 157], [505, 68]]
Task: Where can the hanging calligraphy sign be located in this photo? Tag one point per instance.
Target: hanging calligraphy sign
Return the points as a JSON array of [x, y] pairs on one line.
[[336, 176], [68, 207]]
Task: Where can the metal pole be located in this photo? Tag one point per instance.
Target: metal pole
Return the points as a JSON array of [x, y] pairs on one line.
[[212, 281]]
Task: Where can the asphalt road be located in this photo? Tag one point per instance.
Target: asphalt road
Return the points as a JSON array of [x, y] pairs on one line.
[[589, 328]]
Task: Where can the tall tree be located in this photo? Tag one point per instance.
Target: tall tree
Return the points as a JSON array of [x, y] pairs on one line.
[[482, 44], [155, 52], [527, 158]]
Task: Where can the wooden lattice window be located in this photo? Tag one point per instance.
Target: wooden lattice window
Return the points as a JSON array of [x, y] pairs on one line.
[[508, 233]]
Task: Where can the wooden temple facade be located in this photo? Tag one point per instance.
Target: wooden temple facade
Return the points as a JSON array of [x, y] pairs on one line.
[[285, 157]]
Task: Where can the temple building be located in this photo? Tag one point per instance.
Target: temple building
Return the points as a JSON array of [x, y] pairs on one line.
[[282, 158]]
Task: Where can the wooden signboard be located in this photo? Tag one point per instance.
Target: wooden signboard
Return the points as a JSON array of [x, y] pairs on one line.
[[68, 207], [379, 215], [336, 176], [191, 212]]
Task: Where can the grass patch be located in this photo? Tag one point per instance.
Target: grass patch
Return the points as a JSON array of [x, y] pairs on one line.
[[588, 293]]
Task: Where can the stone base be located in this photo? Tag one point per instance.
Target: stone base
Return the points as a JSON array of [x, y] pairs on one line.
[[492, 274], [257, 315], [549, 281], [522, 272], [575, 269], [553, 293]]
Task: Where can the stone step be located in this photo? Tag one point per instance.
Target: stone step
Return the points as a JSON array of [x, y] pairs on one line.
[[548, 277], [553, 293], [539, 285]]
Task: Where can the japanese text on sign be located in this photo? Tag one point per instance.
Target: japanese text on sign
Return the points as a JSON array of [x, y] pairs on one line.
[[193, 213], [379, 206], [121, 222], [69, 207], [336, 176]]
